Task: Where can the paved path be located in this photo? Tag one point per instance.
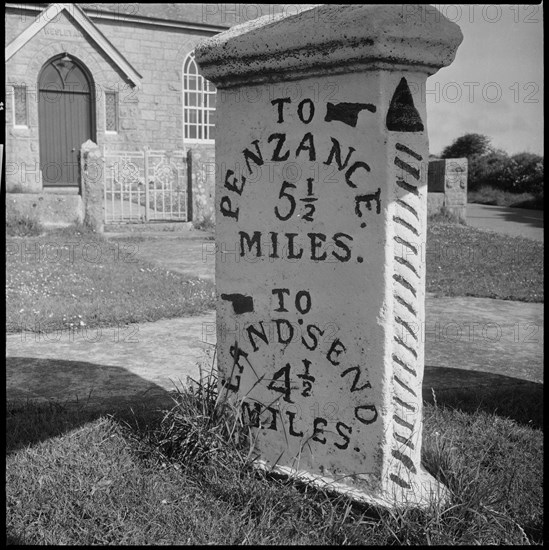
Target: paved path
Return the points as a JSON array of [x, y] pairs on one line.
[[139, 361], [468, 342], [517, 222]]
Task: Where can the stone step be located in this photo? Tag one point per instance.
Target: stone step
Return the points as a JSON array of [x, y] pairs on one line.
[[147, 227]]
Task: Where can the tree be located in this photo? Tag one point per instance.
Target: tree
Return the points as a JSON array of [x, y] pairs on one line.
[[493, 169], [527, 173], [468, 146]]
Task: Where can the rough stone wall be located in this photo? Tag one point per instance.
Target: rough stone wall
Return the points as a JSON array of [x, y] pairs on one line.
[[203, 178], [22, 144], [16, 22], [49, 208], [149, 116], [158, 55]]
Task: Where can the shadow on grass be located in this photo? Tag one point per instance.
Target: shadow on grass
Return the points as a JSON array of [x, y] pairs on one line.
[[49, 397], [470, 391]]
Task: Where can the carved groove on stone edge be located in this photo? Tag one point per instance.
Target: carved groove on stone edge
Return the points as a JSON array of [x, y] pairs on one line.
[[408, 328], [405, 149], [407, 186], [414, 172], [399, 481], [407, 273], [408, 226], [406, 460], [403, 440], [404, 303], [405, 205], [407, 264], [407, 244], [404, 365], [404, 404], [408, 348], [403, 422], [401, 383], [404, 283]]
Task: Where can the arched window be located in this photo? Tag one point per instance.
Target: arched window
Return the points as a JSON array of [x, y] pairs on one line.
[[198, 104]]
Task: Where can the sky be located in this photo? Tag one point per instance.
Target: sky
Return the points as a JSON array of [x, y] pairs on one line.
[[494, 86]]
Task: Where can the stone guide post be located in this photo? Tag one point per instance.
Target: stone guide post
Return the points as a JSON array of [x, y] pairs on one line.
[[321, 191], [91, 168], [455, 187]]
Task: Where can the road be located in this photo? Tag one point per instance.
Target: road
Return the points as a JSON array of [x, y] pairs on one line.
[[517, 222]]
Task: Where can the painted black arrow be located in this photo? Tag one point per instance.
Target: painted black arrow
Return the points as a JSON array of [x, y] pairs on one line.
[[347, 112], [241, 303]]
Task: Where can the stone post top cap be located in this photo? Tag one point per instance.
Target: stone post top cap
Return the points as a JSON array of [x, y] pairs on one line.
[[89, 144], [330, 38]]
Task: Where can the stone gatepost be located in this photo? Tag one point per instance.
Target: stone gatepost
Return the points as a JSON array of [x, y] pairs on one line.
[[447, 187], [455, 191], [91, 169], [321, 191]]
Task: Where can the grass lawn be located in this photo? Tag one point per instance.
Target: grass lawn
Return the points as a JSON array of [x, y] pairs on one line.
[[465, 261], [82, 476], [71, 279], [183, 477], [66, 279]]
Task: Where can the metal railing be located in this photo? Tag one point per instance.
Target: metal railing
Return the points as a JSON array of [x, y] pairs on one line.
[[145, 186]]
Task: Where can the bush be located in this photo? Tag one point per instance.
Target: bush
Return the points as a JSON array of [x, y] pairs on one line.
[[497, 197], [468, 145], [493, 169], [18, 225], [521, 173], [206, 224], [77, 229], [490, 167], [528, 173]]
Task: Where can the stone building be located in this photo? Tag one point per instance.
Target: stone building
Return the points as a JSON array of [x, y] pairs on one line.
[[124, 77]]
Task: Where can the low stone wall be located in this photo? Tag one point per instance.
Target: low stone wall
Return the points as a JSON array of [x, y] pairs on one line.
[[49, 208]]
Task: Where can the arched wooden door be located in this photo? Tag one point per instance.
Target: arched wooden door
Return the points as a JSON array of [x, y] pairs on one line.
[[66, 119]]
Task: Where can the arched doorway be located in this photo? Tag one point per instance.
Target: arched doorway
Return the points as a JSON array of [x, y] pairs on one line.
[[66, 119]]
